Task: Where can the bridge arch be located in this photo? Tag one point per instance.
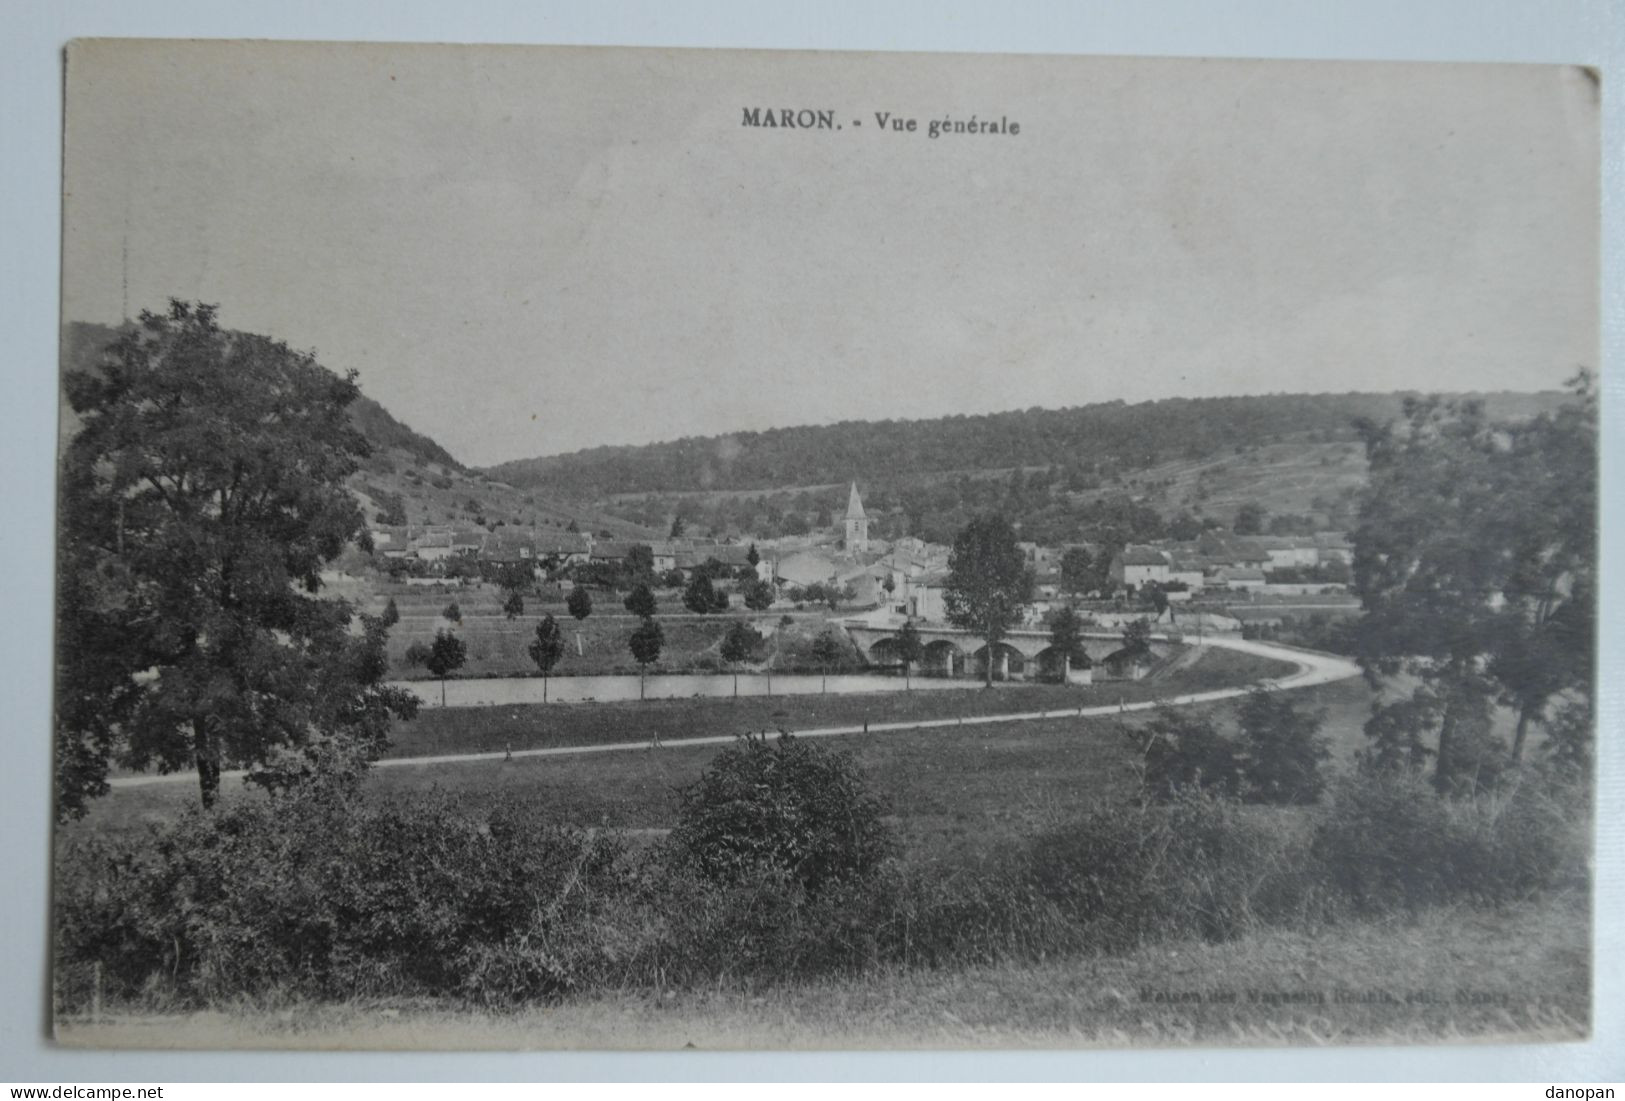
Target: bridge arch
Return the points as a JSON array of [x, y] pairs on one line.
[[884, 651], [1053, 665], [1009, 663], [942, 657]]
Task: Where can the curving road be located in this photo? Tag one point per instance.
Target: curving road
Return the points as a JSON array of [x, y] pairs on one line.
[[1313, 667]]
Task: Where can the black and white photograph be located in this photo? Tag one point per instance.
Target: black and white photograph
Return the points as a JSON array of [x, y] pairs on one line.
[[608, 548]]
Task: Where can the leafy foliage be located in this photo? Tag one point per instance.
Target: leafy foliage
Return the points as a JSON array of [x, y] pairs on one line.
[[1389, 843], [988, 581], [1080, 573], [702, 597], [785, 805], [1066, 638], [741, 641], [646, 642], [758, 595], [579, 603], [1475, 563], [1183, 751], [910, 647], [1283, 748], [200, 498], [325, 895], [641, 601], [548, 646], [1275, 757], [827, 649]]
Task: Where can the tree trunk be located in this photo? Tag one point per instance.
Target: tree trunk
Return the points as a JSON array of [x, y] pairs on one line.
[[442, 691], [544, 687], [640, 682], [1525, 713], [1442, 762], [208, 762], [988, 664], [908, 684]]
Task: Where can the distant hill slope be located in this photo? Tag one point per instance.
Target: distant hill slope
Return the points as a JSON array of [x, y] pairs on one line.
[[1115, 436], [409, 476], [84, 342]]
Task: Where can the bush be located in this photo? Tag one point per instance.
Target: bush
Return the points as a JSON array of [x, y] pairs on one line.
[[318, 894], [1182, 751], [1283, 749], [1389, 842], [1201, 866], [785, 805]]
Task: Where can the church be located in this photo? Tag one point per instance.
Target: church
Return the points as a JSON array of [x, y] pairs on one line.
[[857, 524]]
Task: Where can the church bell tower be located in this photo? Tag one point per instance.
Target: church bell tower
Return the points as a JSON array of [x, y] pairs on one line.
[[857, 523]]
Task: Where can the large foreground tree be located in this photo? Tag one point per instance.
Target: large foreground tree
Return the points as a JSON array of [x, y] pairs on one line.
[[1475, 561], [989, 583], [201, 496]]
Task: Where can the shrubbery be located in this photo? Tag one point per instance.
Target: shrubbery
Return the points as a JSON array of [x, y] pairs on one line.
[[1389, 843], [1274, 757], [785, 805], [1201, 866], [780, 869], [314, 893]]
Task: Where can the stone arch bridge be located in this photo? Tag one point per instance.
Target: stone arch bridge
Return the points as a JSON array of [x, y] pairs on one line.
[[1020, 655]]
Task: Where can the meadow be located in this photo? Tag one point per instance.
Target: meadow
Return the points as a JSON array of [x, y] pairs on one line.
[[1519, 974], [952, 792], [1012, 949]]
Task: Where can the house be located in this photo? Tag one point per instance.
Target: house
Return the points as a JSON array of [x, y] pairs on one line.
[[509, 547], [564, 547], [1334, 546], [1222, 549], [610, 551], [1186, 569], [665, 556], [1249, 578], [1288, 552], [1134, 566], [731, 555], [468, 543], [868, 584], [433, 547], [926, 597]]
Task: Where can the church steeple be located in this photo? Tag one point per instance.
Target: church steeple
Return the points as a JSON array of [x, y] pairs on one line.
[[857, 522]]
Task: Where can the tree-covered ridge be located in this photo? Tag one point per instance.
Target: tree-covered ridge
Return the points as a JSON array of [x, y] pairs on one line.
[[1126, 436], [84, 348]]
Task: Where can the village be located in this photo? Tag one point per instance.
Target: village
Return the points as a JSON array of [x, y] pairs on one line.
[[1216, 583]]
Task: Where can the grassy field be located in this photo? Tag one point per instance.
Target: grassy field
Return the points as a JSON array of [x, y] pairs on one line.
[[439, 730], [1449, 976], [954, 793]]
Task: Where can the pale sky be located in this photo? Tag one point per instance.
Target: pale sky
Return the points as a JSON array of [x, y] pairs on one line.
[[528, 251]]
